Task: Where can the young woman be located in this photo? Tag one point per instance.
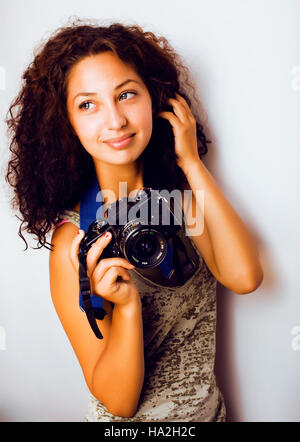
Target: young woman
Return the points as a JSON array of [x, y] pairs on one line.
[[88, 87]]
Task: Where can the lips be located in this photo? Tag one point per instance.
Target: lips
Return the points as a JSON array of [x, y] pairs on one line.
[[117, 140], [121, 143]]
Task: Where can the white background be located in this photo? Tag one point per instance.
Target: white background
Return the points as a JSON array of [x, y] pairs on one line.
[[244, 57]]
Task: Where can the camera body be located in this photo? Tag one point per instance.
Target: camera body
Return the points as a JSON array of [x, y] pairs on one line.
[[140, 228]]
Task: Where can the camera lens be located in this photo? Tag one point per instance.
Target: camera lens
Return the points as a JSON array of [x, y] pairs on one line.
[[145, 247]]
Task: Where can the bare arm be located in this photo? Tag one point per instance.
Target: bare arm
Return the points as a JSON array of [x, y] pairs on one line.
[[119, 373], [114, 366], [226, 243]]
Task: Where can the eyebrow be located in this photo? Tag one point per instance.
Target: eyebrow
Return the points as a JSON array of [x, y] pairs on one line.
[[86, 94]]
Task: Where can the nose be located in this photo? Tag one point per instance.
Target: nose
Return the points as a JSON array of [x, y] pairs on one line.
[[114, 117]]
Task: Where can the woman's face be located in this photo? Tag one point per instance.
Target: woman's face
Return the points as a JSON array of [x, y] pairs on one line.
[[100, 107]]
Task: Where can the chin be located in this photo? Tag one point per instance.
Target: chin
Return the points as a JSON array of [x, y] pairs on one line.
[[125, 156], [121, 158]]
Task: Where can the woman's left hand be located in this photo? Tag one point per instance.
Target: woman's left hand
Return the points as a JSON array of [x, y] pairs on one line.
[[183, 123]]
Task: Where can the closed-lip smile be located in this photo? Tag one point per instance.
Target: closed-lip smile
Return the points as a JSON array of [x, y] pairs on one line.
[[117, 140]]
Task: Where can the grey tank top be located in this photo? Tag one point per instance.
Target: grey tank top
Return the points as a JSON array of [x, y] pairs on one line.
[[179, 325]]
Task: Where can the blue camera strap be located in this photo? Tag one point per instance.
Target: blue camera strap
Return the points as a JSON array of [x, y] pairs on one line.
[[89, 212]]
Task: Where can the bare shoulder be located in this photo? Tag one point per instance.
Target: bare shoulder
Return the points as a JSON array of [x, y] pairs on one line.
[[64, 288], [62, 238], [59, 258]]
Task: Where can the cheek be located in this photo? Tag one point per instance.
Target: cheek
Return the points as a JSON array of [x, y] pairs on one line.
[[143, 119], [149, 122], [87, 128]]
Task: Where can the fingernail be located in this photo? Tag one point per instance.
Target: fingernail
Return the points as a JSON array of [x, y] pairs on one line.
[[107, 235]]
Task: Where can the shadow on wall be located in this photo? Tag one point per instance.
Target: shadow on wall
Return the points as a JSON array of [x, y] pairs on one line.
[[225, 365]]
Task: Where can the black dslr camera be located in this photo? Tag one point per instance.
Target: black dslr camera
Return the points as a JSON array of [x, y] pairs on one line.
[[140, 229]]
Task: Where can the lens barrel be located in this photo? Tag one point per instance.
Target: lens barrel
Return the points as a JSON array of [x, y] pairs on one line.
[[145, 247]]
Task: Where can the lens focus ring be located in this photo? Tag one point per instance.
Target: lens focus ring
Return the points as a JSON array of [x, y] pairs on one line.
[[145, 247]]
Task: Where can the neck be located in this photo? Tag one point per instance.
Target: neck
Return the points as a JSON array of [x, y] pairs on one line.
[[110, 175]]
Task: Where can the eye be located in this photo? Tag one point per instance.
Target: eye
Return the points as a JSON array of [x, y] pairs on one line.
[[84, 105], [128, 92]]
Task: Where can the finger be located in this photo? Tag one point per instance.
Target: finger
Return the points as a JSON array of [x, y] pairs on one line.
[[112, 278], [105, 264], [173, 119], [179, 109], [181, 99], [74, 249], [96, 250], [183, 102]]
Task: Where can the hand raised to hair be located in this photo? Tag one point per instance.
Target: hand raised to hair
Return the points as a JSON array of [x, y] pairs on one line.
[[183, 123]]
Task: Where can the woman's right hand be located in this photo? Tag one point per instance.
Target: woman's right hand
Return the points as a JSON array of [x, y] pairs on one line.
[[110, 278]]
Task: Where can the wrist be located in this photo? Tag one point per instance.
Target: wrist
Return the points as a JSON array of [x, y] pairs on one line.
[[192, 166], [131, 306]]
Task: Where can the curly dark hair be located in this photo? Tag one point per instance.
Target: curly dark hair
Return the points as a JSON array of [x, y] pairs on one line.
[[49, 169]]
